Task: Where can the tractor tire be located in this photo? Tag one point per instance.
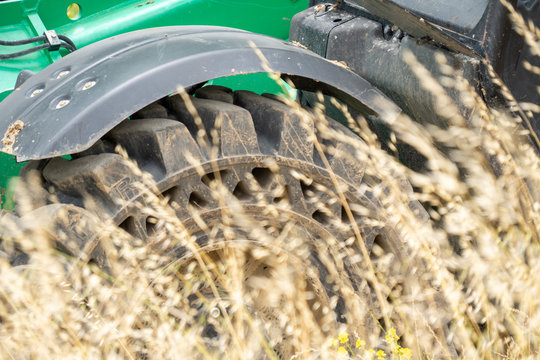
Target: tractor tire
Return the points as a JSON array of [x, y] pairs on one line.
[[261, 149]]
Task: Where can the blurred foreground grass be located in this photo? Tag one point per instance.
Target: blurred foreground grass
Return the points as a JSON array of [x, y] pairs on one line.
[[460, 280]]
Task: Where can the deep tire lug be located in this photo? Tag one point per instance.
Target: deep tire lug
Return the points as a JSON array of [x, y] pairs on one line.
[[296, 197], [226, 126], [161, 142], [101, 181], [345, 163], [154, 110], [326, 203], [286, 130], [215, 92], [136, 227]]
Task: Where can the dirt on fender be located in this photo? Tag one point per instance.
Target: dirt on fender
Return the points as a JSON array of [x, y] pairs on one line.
[[9, 137]]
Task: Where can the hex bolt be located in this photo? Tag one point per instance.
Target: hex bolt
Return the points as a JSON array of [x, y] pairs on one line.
[[62, 103], [62, 74], [88, 85], [36, 92]]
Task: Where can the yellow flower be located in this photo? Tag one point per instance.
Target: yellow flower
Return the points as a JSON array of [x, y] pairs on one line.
[[343, 338], [381, 355], [405, 352], [333, 342], [391, 336], [360, 344], [342, 351]]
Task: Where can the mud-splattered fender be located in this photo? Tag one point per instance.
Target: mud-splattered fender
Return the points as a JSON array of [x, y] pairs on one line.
[[68, 106]]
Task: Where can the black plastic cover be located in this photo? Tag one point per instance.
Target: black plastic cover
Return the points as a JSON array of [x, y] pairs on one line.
[[458, 15]]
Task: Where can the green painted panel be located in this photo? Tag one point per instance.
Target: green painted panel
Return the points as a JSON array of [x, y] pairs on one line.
[[265, 17], [106, 18], [9, 169]]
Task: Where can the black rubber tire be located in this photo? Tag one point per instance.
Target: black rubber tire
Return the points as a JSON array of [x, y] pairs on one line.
[[255, 133], [161, 138]]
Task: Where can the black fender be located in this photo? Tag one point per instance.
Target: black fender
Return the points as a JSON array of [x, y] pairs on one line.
[[68, 106]]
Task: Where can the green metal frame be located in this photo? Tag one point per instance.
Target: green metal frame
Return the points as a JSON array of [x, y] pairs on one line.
[[98, 20]]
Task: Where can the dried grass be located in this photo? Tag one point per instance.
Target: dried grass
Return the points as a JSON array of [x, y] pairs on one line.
[[462, 283]]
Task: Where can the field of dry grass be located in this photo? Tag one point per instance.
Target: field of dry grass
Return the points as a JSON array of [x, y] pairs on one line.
[[458, 280]]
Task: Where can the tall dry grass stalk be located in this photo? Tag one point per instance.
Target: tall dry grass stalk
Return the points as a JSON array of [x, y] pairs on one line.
[[457, 281]]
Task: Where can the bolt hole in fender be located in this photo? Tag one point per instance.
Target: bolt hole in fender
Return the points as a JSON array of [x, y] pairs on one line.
[[257, 161]]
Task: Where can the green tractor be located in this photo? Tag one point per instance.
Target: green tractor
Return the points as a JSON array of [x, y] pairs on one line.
[[192, 92], [25, 23]]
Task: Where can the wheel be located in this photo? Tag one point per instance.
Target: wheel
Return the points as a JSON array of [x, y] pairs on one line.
[[244, 172]]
